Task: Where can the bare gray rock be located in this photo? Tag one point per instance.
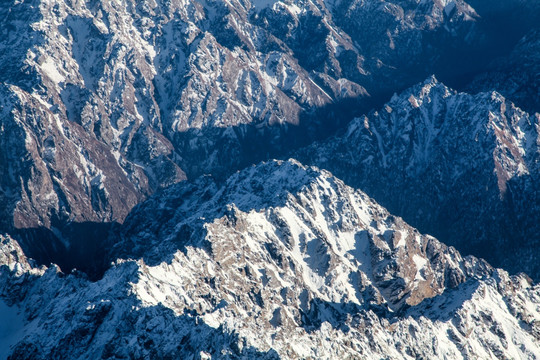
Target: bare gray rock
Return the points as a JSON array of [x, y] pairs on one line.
[[461, 167], [281, 261]]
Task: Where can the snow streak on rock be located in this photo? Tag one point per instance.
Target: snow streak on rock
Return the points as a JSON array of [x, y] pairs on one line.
[[103, 103], [461, 167], [281, 261]]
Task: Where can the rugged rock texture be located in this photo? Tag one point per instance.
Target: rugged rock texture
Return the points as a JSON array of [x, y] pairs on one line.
[[281, 261], [138, 91], [405, 39], [54, 170], [462, 167], [313, 215], [58, 164], [105, 103]]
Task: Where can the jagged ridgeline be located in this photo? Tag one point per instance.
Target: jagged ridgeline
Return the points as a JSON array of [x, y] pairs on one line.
[[279, 261], [462, 167], [116, 99], [137, 220]]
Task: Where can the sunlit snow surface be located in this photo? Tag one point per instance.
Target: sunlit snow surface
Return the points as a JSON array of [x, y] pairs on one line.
[[281, 260]]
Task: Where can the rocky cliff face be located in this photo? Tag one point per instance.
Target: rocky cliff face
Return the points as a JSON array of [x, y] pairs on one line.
[[139, 93], [55, 170], [280, 261], [477, 155], [107, 107]]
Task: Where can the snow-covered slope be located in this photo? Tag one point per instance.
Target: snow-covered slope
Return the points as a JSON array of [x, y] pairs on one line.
[[462, 167], [105, 103], [280, 261], [136, 93]]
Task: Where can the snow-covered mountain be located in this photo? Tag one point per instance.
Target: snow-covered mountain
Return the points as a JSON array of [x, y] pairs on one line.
[[462, 167], [110, 112], [115, 100], [280, 261]]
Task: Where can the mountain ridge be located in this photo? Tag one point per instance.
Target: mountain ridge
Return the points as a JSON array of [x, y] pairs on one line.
[[176, 88], [144, 216], [477, 155], [204, 298]]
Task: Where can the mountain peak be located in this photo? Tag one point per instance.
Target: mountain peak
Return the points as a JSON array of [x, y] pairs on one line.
[[116, 247], [453, 146], [230, 276]]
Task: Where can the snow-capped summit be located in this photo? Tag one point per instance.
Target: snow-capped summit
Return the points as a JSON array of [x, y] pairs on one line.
[[280, 261], [137, 95], [319, 221], [461, 167], [113, 245]]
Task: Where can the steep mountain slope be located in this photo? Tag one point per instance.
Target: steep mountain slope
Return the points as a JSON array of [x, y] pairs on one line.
[[70, 159], [382, 45], [462, 167], [107, 104], [56, 170], [280, 261], [159, 88]]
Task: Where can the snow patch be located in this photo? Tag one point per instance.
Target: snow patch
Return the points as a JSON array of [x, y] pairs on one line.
[[420, 264], [50, 70], [261, 4]]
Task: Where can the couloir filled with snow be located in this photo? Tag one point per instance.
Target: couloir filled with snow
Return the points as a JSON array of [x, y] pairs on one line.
[[280, 261]]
